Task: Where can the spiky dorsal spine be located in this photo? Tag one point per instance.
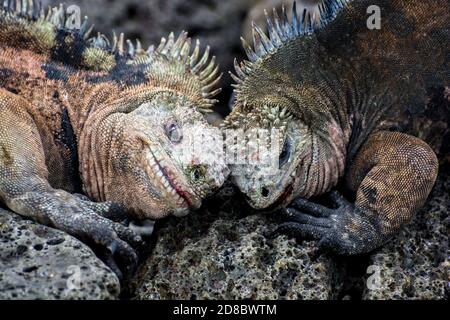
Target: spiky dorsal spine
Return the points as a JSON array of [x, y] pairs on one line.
[[45, 24], [202, 67], [25, 23]]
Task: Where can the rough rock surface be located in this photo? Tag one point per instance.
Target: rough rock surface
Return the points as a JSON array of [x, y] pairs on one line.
[[416, 265], [230, 256], [37, 262], [216, 23]]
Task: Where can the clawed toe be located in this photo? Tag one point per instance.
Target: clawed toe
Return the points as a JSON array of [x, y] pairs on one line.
[[108, 259], [120, 254], [114, 242], [342, 230], [309, 221], [128, 235], [299, 217], [301, 231], [311, 208], [121, 258], [338, 199]]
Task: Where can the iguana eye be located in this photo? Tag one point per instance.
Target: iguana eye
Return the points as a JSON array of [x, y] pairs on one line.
[[285, 153], [174, 132], [197, 173]]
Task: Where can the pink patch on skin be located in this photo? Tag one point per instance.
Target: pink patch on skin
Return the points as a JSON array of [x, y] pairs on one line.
[[339, 144]]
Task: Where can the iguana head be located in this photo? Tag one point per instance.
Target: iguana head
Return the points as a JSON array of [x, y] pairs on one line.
[[281, 89], [271, 180], [150, 148]]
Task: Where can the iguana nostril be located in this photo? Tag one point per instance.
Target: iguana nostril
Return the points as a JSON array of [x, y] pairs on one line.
[[265, 192], [196, 174]]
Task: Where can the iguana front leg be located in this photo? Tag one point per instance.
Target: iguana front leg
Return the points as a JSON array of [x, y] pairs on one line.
[[25, 189], [117, 213], [392, 176]]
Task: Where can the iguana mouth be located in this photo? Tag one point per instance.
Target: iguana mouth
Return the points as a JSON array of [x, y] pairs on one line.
[[285, 195], [281, 199], [163, 177]]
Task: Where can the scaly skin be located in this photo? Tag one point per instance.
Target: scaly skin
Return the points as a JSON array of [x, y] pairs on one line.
[[81, 116], [329, 89]]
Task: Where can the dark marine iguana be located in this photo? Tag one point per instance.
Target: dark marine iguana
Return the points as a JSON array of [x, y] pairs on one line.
[[93, 131], [330, 85]]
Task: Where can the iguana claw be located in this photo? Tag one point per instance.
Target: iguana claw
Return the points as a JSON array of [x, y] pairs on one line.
[[116, 243], [120, 251]]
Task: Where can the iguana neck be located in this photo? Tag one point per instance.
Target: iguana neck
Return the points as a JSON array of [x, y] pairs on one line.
[[89, 119], [323, 161], [343, 114]]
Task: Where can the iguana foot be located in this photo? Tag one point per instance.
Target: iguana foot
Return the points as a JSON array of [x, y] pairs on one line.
[[114, 242], [118, 245], [109, 210], [344, 230]]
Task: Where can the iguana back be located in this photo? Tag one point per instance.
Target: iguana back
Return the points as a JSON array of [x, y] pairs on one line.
[[350, 64], [331, 89]]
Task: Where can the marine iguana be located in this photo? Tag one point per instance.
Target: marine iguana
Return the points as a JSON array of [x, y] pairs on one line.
[[330, 88], [93, 131]]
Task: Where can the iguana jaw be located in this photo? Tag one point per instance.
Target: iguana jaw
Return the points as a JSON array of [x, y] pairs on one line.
[[166, 178], [283, 200], [279, 194]]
